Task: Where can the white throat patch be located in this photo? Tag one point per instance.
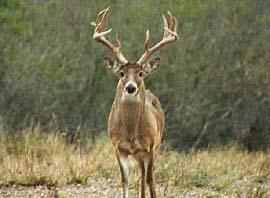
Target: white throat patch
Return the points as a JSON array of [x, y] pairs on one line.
[[130, 97]]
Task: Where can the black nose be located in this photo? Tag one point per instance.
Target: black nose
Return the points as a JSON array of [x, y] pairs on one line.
[[130, 89]]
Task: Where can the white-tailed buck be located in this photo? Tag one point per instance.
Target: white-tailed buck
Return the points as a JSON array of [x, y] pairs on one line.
[[136, 120]]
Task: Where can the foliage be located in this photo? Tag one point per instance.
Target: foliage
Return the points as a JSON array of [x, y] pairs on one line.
[[213, 83]]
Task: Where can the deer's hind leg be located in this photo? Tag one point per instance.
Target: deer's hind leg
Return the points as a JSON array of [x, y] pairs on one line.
[[143, 175], [150, 174]]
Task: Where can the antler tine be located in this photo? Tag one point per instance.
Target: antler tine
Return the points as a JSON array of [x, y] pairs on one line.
[[100, 14], [171, 20], [169, 36], [146, 43], [118, 41], [175, 25], [100, 35], [165, 21], [103, 19]]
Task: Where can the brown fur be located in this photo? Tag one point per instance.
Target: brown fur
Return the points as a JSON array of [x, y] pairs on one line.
[[136, 120], [136, 127]]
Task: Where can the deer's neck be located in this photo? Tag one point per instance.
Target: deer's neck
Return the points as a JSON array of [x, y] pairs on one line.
[[130, 109]]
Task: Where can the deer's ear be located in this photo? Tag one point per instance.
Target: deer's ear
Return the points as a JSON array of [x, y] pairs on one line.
[[111, 65], [151, 66]]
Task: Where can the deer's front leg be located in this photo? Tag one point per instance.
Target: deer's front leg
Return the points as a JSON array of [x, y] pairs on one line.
[[122, 159], [143, 176]]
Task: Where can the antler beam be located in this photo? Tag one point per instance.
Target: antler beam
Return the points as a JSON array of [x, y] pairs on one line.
[[100, 35], [169, 36]]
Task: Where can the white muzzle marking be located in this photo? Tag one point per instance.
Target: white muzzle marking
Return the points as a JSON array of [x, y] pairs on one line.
[[133, 97]]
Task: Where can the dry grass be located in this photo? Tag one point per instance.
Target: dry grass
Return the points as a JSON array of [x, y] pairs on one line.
[[35, 158]]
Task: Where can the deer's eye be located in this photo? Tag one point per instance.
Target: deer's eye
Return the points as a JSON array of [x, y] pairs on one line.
[[140, 74], [122, 74]]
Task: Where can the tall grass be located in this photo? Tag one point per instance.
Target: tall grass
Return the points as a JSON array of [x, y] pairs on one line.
[[34, 157]]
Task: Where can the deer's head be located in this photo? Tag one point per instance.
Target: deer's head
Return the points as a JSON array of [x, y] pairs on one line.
[[131, 74]]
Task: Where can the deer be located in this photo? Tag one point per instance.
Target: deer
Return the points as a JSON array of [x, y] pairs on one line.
[[136, 121]]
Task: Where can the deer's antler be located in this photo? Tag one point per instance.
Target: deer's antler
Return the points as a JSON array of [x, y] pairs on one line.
[[169, 36], [100, 35]]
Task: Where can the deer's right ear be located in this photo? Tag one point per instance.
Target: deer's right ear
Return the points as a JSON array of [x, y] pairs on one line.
[[111, 65]]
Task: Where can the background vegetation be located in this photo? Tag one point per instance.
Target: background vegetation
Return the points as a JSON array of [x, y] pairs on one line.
[[38, 158], [213, 83]]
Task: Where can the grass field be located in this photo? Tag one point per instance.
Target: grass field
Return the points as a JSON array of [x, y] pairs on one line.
[[35, 158]]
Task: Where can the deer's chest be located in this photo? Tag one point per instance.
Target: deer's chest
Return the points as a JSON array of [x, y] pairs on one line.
[[130, 139], [132, 131]]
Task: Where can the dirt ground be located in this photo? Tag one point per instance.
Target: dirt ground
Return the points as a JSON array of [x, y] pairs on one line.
[[97, 188], [79, 191], [94, 188]]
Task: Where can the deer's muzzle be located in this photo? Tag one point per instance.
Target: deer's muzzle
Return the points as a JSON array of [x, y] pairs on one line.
[[131, 88]]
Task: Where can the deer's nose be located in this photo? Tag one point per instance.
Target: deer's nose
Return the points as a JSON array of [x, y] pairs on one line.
[[130, 89]]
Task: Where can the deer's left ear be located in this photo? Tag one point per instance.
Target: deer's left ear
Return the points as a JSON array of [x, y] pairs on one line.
[[151, 66]]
